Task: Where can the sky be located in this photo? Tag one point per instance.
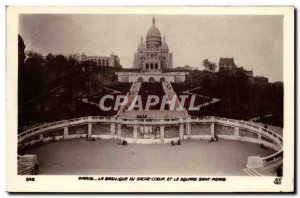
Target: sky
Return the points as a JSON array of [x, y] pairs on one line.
[[255, 42]]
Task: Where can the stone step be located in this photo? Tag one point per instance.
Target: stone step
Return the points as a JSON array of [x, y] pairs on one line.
[[251, 172]]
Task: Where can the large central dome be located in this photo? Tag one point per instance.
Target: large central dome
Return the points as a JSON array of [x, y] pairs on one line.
[[153, 32]]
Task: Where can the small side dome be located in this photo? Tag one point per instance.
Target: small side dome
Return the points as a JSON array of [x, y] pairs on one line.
[[142, 44], [164, 45]]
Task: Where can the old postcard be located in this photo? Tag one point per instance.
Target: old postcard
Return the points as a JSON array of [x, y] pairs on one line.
[[150, 99]]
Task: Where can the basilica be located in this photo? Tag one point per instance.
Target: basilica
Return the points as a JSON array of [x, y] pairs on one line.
[[152, 58], [153, 55]]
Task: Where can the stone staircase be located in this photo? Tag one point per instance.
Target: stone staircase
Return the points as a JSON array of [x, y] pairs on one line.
[[170, 93], [251, 172], [134, 90]]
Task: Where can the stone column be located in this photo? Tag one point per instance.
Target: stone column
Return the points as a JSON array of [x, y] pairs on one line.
[[118, 131], [259, 138], [112, 129], [66, 132], [90, 128], [162, 133], [41, 137], [181, 131], [135, 131], [188, 128], [236, 132], [212, 129]]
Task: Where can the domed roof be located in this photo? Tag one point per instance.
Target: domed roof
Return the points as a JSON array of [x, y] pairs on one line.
[[142, 44], [153, 31], [164, 45]]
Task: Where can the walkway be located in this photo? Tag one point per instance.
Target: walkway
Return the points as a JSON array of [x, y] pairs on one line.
[[134, 90], [105, 157], [170, 93]]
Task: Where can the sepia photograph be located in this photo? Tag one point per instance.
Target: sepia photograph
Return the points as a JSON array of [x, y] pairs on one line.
[[152, 96]]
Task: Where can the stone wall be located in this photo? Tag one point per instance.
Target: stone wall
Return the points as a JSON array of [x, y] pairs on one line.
[[127, 131], [171, 132], [101, 129], [248, 134], [157, 76], [200, 129], [76, 130], [223, 130], [155, 132]]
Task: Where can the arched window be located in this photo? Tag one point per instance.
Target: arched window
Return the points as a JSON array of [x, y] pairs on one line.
[[151, 79], [151, 67], [147, 66], [156, 66], [106, 62], [140, 79]]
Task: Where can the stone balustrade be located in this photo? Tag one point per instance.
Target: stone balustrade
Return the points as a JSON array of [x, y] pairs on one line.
[[157, 131]]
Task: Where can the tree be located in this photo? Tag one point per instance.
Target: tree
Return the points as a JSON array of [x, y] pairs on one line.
[[49, 57], [21, 51], [34, 75], [21, 59], [205, 64], [21, 89], [209, 66], [212, 67], [72, 61]]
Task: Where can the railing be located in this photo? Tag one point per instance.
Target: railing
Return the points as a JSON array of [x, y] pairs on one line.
[[253, 127], [277, 139]]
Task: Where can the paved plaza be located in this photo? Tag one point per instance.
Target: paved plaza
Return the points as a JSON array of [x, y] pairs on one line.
[[106, 157]]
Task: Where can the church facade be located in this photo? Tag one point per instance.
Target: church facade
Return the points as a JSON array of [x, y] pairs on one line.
[[152, 59], [153, 55]]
